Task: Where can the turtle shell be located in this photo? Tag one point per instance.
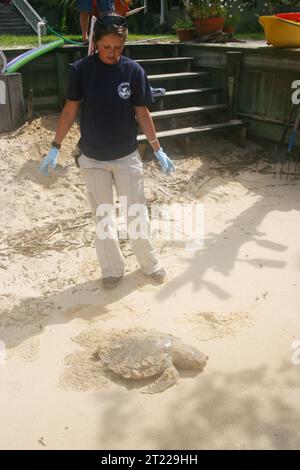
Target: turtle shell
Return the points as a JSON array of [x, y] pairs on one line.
[[136, 353]]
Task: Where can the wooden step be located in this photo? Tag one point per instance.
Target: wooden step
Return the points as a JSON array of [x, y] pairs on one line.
[[12, 22], [163, 60], [207, 129], [17, 31], [168, 65], [176, 76], [183, 98], [167, 113], [190, 91]]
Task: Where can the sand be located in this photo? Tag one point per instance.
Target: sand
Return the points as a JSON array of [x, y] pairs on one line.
[[236, 299]]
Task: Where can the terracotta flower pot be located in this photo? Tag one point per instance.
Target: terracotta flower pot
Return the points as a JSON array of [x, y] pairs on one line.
[[185, 35], [205, 26]]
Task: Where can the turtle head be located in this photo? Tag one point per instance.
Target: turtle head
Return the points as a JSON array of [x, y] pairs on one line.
[[187, 357]]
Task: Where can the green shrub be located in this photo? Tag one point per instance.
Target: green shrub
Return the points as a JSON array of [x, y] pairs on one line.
[[183, 23]]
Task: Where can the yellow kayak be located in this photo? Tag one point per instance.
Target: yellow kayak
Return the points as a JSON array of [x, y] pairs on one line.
[[280, 31]]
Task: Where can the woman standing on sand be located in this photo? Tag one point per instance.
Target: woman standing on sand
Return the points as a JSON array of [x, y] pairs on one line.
[[114, 93]]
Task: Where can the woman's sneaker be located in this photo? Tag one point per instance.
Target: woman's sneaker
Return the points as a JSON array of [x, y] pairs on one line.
[[111, 282], [159, 276]]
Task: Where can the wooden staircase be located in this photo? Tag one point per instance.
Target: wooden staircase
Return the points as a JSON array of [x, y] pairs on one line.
[[12, 22], [190, 106]]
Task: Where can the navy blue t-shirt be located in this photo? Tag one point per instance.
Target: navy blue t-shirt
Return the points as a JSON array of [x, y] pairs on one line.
[[108, 92]]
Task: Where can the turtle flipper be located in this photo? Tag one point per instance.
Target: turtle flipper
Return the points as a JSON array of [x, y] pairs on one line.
[[165, 380]]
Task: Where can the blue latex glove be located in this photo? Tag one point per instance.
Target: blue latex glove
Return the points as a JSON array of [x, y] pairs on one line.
[[50, 160], [166, 163]]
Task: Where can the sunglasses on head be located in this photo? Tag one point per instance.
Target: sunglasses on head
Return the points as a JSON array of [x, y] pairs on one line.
[[112, 19]]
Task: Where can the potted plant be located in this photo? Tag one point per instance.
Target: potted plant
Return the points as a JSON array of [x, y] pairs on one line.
[[230, 23], [184, 29], [207, 15], [232, 11]]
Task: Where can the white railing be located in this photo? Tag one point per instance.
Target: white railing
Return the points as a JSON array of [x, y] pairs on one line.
[[30, 15]]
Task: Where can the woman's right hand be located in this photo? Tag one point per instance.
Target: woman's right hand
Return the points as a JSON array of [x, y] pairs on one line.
[[49, 161], [166, 164]]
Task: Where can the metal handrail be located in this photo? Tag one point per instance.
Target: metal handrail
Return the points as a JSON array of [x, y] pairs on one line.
[[30, 15]]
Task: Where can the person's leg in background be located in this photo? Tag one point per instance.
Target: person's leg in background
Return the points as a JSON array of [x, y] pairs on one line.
[[84, 7], [105, 6]]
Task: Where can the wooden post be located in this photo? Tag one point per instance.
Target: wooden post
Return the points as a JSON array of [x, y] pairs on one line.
[[187, 6], [162, 12], [12, 111], [234, 60]]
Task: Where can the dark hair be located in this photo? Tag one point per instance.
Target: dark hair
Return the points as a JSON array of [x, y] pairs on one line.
[[110, 24]]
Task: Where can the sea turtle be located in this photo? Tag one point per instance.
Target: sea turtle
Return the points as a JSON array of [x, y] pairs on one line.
[[141, 354]]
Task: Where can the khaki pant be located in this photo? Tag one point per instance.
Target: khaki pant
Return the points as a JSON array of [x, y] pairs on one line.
[[126, 174]]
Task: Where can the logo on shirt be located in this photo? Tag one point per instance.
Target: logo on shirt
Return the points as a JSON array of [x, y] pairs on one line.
[[124, 90]]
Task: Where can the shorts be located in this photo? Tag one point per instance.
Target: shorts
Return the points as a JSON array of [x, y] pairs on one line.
[[102, 5]]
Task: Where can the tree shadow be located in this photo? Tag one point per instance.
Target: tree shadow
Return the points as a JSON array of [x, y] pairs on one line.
[[240, 410], [221, 250]]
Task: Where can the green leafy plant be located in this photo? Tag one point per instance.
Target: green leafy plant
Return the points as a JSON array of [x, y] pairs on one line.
[[204, 8], [68, 14], [271, 4], [232, 10], [231, 20], [183, 23]]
